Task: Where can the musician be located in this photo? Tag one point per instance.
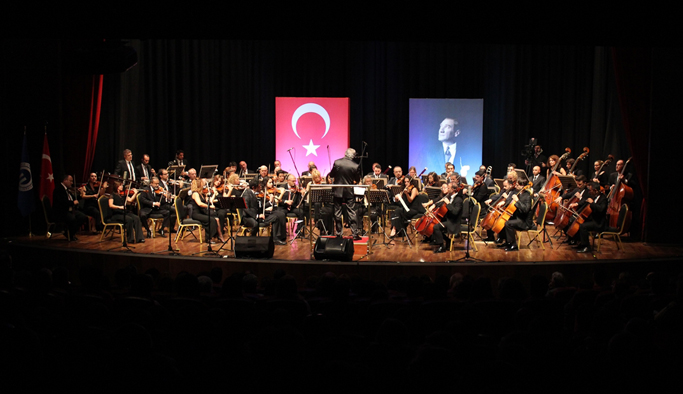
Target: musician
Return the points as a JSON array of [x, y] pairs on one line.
[[311, 166], [511, 167], [204, 212], [281, 177], [479, 190], [291, 199], [126, 165], [625, 178], [409, 195], [412, 172], [243, 170], [150, 203], [500, 200], [192, 175], [450, 168], [579, 192], [117, 206], [144, 170], [453, 197], [65, 207], [323, 214], [262, 173], [490, 184], [432, 180], [88, 200], [552, 160], [398, 176], [537, 179], [596, 221], [166, 200], [180, 161], [233, 186], [569, 165], [602, 177], [254, 213], [345, 172], [518, 220], [377, 171], [277, 166], [232, 168]]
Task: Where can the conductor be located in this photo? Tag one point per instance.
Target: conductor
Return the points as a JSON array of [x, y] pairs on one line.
[[345, 172]]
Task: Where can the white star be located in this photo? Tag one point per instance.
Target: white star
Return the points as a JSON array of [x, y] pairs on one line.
[[310, 148], [50, 177]]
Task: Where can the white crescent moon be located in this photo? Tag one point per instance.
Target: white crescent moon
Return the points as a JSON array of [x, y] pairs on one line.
[[311, 108]]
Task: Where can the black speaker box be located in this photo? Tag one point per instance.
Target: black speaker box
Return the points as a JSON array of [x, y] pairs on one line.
[[333, 248], [254, 247]]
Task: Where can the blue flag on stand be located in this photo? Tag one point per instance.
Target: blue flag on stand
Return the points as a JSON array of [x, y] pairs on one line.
[[25, 200]]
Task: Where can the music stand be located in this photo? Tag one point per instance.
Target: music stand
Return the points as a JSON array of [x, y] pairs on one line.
[[249, 177], [380, 182], [521, 174], [433, 192], [380, 197], [319, 194], [568, 182], [207, 171], [305, 180], [232, 204]]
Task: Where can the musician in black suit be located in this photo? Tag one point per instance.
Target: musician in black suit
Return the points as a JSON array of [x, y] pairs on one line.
[[479, 190], [254, 212], [451, 221], [144, 171], [625, 178], [537, 179], [377, 172], [65, 207], [180, 161], [596, 221], [126, 165], [345, 172], [150, 204], [518, 221]]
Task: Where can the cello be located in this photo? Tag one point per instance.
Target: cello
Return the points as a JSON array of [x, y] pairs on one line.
[[493, 213], [620, 194], [562, 219], [425, 224], [551, 189], [508, 211]]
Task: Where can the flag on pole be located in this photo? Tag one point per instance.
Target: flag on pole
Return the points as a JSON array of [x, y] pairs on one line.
[[25, 198], [47, 177]]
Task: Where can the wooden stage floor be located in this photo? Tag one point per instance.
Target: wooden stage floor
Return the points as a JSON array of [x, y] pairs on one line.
[[384, 261]]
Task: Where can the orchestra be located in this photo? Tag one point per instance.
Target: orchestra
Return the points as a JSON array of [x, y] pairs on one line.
[[271, 197]]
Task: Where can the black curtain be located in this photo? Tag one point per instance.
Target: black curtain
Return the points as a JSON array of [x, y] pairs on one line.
[[215, 99]]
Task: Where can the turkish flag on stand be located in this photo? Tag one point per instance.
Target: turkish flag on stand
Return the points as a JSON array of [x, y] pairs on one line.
[[47, 178]]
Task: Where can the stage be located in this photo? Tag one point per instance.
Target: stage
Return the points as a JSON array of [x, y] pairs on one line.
[[384, 261]]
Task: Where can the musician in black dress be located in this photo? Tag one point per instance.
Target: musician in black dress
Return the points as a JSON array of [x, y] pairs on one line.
[[599, 175], [88, 198], [204, 212], [117, 208], [323, 213], [413, 202]]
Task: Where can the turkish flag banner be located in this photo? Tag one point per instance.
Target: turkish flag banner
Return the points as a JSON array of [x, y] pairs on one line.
[[306, 127]]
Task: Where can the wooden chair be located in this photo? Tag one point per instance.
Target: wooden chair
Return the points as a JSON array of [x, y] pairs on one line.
[[103, 203], [47, 211], [615, 231], [540, 227], [185, 223], [466, 220], [243, 229]]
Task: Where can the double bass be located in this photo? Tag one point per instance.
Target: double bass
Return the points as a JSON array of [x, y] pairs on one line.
[[551, 189], [620, 194], [562, 219]]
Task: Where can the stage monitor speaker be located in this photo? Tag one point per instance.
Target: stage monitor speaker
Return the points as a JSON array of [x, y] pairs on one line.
[[254, 247], [333, 248]]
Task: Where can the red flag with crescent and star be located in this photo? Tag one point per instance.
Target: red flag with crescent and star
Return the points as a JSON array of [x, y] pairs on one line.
[[306, 126], [47, 177]]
